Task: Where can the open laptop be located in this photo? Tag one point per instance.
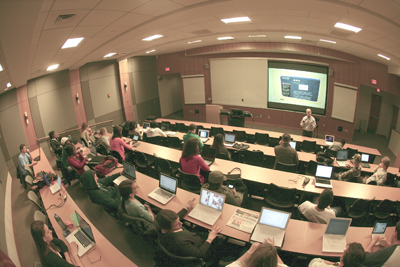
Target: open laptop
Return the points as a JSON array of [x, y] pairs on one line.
[[146, 125], [230, 139], [365, 160], [341, 157], [293, 144], [135, 138], [272, 224], [210, 207], [379, 229], [323, 176], [329, 139], [166, 190], [57, 186], [334, 238], [83, 236], [208, 155], [129, 173], [204, 134]]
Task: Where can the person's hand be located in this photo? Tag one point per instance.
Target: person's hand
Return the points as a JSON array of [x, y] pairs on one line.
[[270, 241], [383, 241], [311, 122], [147, 206], [253, 247], [234, 190], [74, 248], [190, 203], [348, 166], [214, 233], [34, 163]]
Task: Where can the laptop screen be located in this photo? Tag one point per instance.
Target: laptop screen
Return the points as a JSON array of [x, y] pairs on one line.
[[342, 155], [135, 137], [324, 171], [203, 133], [168, 183], [85, 226], [146, 125], [364, 157], [59, 180], [212, 199], [129, 169], [293, 144], [45, 179], [274, 218], [338, 226], [230, 138], [329, 138], [380, 228]]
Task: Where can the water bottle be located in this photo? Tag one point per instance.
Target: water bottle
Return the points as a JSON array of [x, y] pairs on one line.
[[60, 222]]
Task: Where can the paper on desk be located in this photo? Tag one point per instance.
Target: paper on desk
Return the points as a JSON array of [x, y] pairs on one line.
[[243, 220], [74, 218]]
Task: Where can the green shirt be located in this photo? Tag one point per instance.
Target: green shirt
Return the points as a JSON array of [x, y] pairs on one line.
[[192, 135], [64, 157]]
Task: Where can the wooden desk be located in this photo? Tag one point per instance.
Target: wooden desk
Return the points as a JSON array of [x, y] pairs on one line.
[[110, 256]]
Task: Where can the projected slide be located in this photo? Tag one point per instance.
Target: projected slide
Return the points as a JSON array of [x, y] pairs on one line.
[[300, 88]]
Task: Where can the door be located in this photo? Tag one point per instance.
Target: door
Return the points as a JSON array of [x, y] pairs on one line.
[[395, 117], [375, 110]]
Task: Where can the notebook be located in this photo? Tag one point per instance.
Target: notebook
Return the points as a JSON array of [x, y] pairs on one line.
[[379, 229], [230, 139], [146, 125], [210, 207], [56, 187], [341, 157], [166, 190], [334, 238], [83, 236], [329, 139], [293, 144], [323, 176], [208, 155], [365, 160], [129, 173], [271, 224], [204, 134]]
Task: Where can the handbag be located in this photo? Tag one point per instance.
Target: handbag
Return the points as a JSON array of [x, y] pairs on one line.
[[234, 177]]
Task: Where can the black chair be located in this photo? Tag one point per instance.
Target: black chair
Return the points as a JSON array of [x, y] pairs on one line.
[[390, 179], [142, 163], [261, 139], [269, 161], [163, 166], [280, 197], [174, 142], [255, 158], [189, 182], [153, 140], [273, 141], [116, 155], [165, 259], [286, 167], [84, 142], [240, 136], [216, 130], [139, 226], [331, 153], [166, 123], [311, 168], [101, 150], [358, 209], [384, 209], [308, 146], [351, 153], [222, 156], [180, 127]]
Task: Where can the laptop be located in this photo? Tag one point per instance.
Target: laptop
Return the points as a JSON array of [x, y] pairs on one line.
[[208, 155], [341, 158], [146, 125], [323, 176], [379, 229], [135, 138], [334, 238], [166, 190], [293, 144], [230, 139], [329, 139], [365, 160], [57, 186], [204, 134], [83, 236], [129, 173], [38, 157], [271, 224], [210, 207]]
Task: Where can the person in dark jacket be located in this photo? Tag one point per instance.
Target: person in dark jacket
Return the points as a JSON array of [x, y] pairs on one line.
[[55, 143]]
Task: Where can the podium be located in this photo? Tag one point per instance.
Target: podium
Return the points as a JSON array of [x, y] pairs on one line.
[[213, 114], [235, 116]]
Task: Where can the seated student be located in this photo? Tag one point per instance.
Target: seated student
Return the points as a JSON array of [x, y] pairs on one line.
[[153, 130], [320, 212], [134, 129], [215, 183], [380, 172], [338, 146], [65, 141], [24, 161], [125, 129], [102, 191], [86, 134], [388, 255], [117, 144], [285, 153], [264, 255], [52, 251], [104, 139], [76, 159], [55, 143], [218, 145], [192, 134], [190, 160], [354, 172], [353, 256]]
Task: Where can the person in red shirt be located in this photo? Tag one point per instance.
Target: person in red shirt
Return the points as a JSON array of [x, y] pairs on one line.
[[75, 158], [191, 161], [117, 144]]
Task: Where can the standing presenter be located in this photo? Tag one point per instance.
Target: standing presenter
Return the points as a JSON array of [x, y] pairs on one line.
[[308, 123]]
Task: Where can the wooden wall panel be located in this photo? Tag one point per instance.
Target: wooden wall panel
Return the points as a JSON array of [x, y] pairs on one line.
[[125, 92], [75, 82], [29, 129]]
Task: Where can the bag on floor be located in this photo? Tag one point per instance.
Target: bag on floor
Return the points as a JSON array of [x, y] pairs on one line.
[[324, 159], [108, 164]]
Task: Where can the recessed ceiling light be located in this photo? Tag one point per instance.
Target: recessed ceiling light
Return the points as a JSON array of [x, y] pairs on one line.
[[72, 42], [327, 41], [258, 36], [385, 57], [347, 27], [151, 51], [8, 85], [110, 54], [293, 37], [151, 38], [52, 67], [197, 41], [233, 20], [225, 38], [1, 68]]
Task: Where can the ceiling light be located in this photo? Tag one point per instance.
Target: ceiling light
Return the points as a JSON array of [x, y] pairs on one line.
[[151, 51], [233, 20], [257, 36], [225, 38], [52, 67], [347, 27], [110, 54], [385, 57], [197, 41], [322, 40], [8, 85], [72, 42], [151, 38], [1, 68], [293, 37]]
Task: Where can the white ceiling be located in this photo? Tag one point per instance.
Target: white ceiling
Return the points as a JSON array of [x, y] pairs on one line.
[[31, 40]]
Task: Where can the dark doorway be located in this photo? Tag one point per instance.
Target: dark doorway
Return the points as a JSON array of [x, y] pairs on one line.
[[374, 112]]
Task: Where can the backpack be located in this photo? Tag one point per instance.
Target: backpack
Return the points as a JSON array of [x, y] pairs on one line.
[[324, 159], [105, 166]]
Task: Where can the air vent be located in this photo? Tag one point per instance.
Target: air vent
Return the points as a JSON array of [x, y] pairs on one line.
[[340, 33], [202, 32], [64, 18]]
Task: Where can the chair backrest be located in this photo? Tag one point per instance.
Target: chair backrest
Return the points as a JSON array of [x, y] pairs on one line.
[[35, 199], [286, 167], [139, 225], [141, 159], [384, 209], [273, 141], [116, 155], [39, 216], [37, 264], [311, 168], [174, 142], [170, 259], [164, 141], [261, 139], [190, 182], [180, 127], [216, 130], [359, 208], [255, 158], [163, 166], [269, 161], [222, 156], [153, 140], [280, 197], [101, 149], [29, 180], [240, 136], [308, 146], [331, 153], [84, 142]]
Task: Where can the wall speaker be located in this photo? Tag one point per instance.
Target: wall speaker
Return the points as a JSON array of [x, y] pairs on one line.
[[206, 66], [330, 72]]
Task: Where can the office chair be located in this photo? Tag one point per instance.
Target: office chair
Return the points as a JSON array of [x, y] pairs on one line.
[[216, 130], [311, 168], [35, 199], [165, 259], [83, 141], [357, 209], [255, 158], [286, 167], [29, 181], [174, 142], [142, 163], [153, 140], [167, 123], [331, 153], [101, 150], [269, 161], [261, 139], [180, 127], [273, 141], [308, 146], [39, 216], [139, 226], [163, 166], [189, 182], [163, 141], [116, 155], [240, 136], [384, 209], [280, 197], [222, 156]]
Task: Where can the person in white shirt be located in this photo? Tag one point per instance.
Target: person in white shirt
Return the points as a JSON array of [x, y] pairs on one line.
[[308, 123], [154, 130], [353, 255], [380, 172]]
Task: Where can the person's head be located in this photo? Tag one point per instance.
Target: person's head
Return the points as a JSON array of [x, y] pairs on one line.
[[65, 141], [153, 124], [132, 125], [190, 148], [264, 256], [218, 142], [286, 138], [84, 126], [117, 132], [168, 221], [343, 142], [127, 189], [325, 199], [353, 255], [356, 160], [308, 112], [103, 131], [51, 134], [386, 162], [192, 128], [42, 236], [127, 125], [22, 148], [70, 149], [215, 179]]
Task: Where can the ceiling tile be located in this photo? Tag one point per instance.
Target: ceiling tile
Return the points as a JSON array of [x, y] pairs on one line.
[[244, 27], [295, 13], [101, 17], [190, 2], [270, 27], [191, 28], [120, 5], [55, 35], [46, 6], [318, 30], [260, 12], [293, 28], [132, 19], [74, 4], [386, 8], [157, 7], [265, 19], [112, 31], [86, 31], [41, 19], [293, 20], [353, 2], [320, 22]]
